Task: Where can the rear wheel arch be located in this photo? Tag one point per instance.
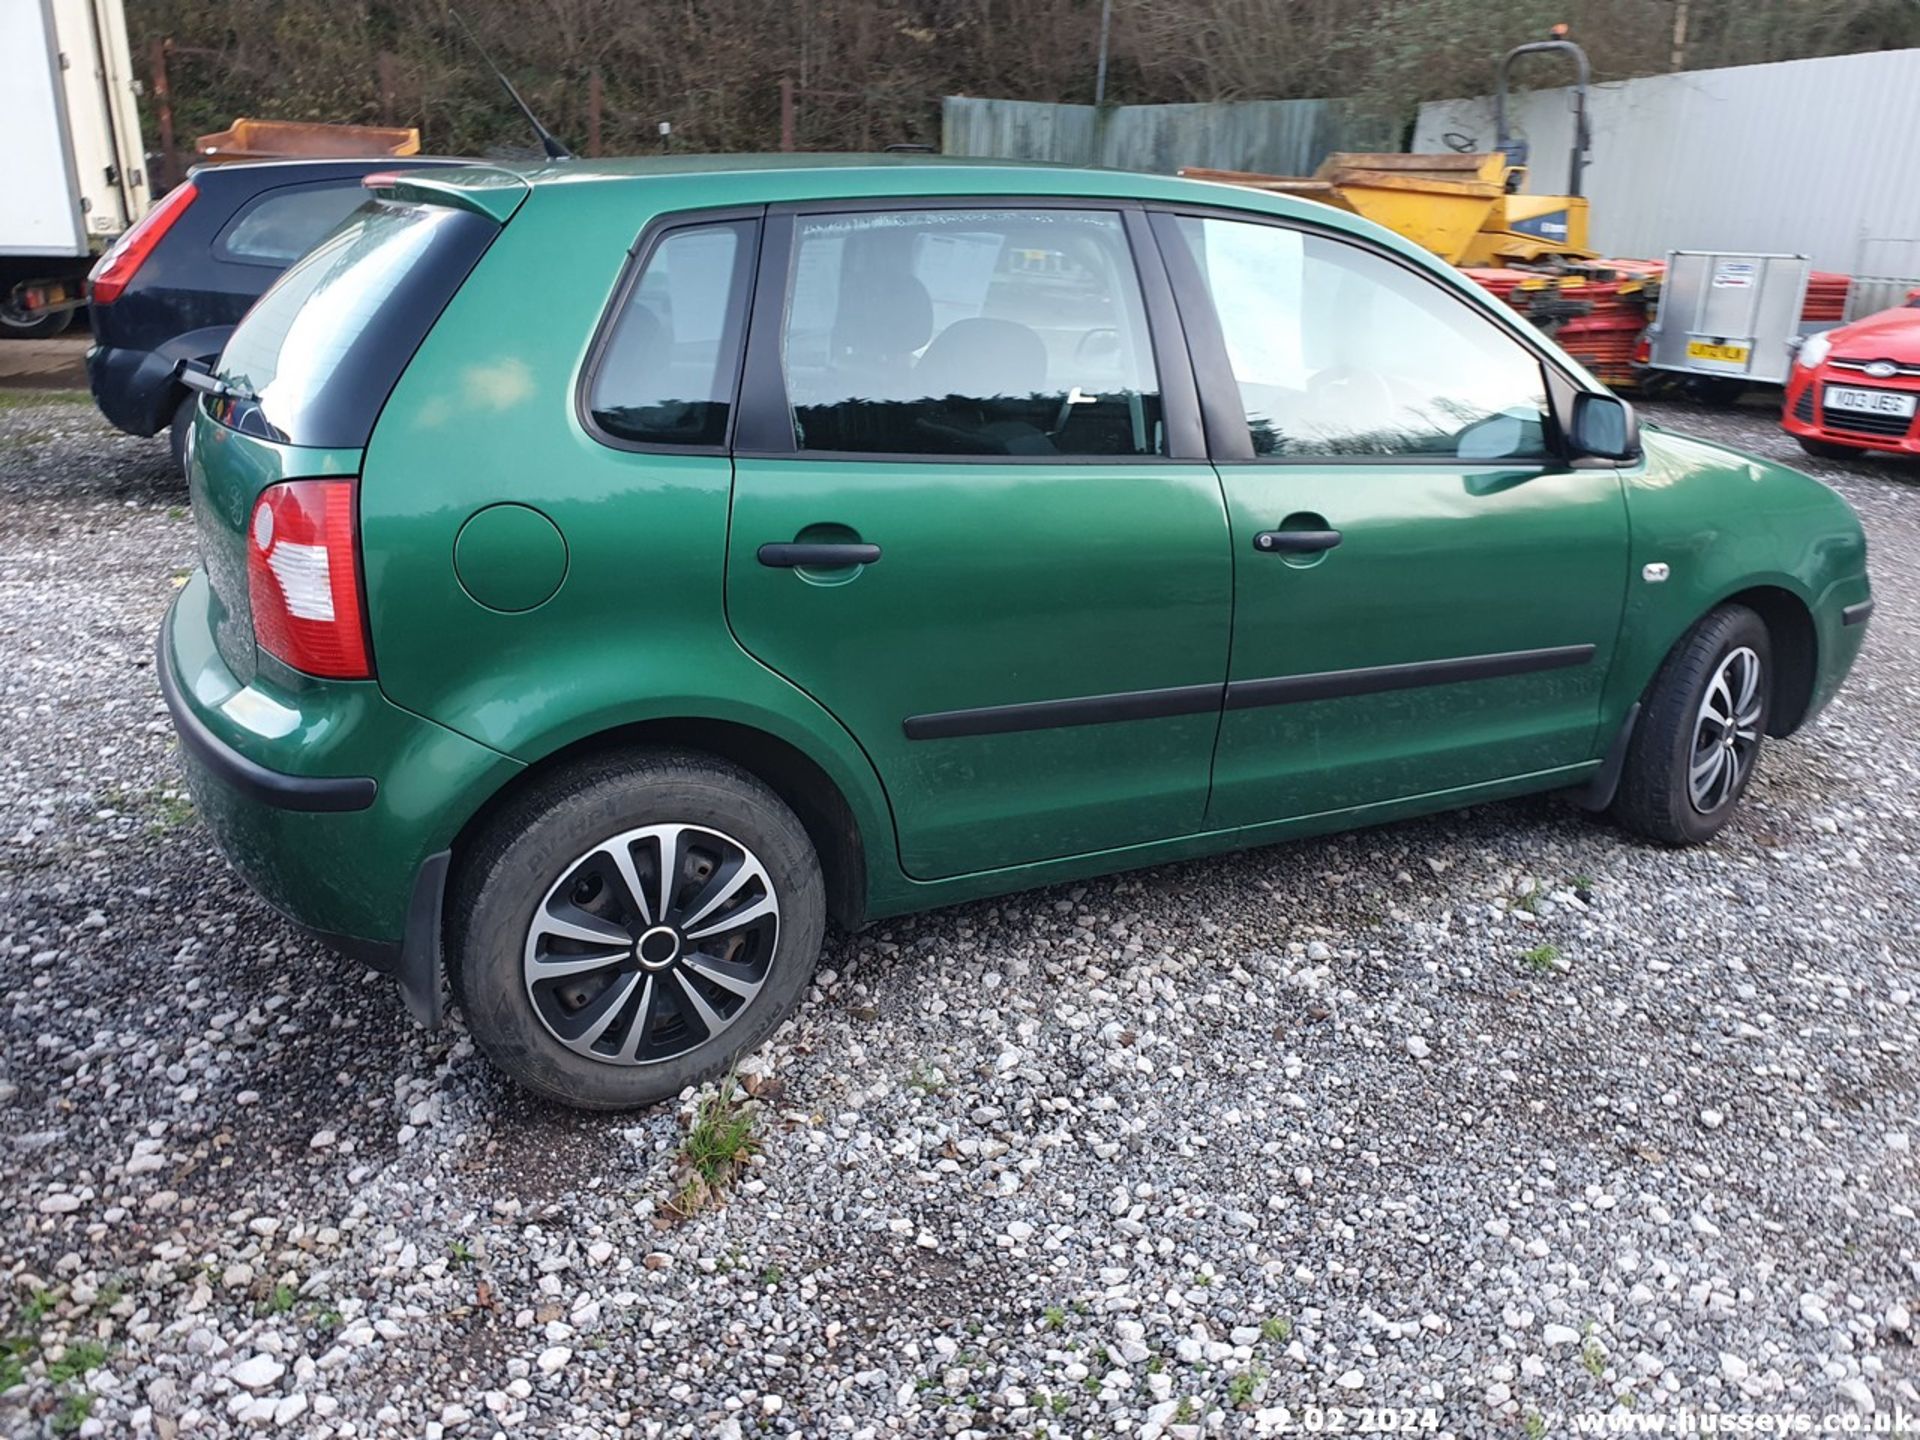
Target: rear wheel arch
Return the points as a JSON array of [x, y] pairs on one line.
[[800, 781]]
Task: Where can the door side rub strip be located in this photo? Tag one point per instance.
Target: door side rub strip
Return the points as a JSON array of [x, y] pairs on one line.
[[1053, 714], [1240, 695], [1376, 679]]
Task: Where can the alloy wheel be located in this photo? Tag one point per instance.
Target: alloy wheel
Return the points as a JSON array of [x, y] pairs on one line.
[[651, 944], [1726, 731]]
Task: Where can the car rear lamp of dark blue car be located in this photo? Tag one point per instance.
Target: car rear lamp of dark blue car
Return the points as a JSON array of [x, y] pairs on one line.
[[113, 270]]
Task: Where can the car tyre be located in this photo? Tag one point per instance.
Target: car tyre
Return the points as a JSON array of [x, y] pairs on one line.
[[543, 903], [1702, 724], [1827, 449], [42, 327], [177, 431]]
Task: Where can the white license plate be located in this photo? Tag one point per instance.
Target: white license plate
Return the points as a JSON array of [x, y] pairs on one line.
[[1869, 402]]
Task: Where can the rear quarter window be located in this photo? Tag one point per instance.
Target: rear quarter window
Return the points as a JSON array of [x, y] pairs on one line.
[[318, 354], [279, 226]]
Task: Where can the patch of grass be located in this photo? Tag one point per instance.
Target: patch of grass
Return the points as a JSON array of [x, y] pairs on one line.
[[280, 1301], [1534, 1427], [109, 1295], [1276, 1329], [1185, 1413], [1060, 1404], [329, 1320], [176, 512], [37, 1306], [15, 1351], [926, 1078], [459, 1253], [171, 810], [1241, 1388], [24, 399], [72, 1413], [1055, 1316], [80, 1357], [772, 1275], [719, 1141], [1594, 1358], [1541, 958], [1529, 902]]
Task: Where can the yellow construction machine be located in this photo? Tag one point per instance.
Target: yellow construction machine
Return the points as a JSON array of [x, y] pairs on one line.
[[1465, 207]]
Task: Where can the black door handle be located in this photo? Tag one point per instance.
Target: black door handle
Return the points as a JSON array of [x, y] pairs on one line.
[[792, 554], [1295, 542]]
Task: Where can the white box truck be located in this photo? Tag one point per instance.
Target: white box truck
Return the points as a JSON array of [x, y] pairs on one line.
[[72, 164]]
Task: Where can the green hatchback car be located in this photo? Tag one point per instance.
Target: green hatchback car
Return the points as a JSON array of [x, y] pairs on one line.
[[612, 573]]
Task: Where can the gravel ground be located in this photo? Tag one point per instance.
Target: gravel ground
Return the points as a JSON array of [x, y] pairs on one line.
[[1498, 1117]]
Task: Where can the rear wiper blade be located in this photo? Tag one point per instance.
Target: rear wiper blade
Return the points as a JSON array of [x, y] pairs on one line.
[[198, 375]]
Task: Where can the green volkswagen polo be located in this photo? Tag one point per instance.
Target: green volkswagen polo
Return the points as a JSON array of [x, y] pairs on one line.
[[613, 573]]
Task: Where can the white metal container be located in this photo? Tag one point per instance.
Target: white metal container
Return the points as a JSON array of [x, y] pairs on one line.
[[73, 167]]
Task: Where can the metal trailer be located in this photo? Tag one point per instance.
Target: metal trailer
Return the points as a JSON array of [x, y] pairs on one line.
[[73, 168], [1729, 319]]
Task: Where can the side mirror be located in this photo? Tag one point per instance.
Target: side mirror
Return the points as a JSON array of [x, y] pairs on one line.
[[1604, 427]]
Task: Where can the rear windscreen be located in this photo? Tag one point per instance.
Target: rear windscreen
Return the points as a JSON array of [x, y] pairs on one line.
[[318, 354]]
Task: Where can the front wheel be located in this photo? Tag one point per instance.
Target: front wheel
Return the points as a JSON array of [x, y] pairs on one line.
[[633, 927], [1701, 727]]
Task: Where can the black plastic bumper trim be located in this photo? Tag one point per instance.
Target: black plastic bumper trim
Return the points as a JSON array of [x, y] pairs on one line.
[[321, 794], [1377, 679], [1857, 614], [418, 967]]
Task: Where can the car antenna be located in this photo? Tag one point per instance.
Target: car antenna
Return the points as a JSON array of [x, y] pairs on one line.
[[555, 150]]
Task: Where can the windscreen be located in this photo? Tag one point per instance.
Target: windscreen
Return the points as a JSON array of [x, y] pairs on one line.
[[318, 354]]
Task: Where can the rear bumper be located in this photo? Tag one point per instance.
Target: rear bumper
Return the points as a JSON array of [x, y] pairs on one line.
[[135, 389], [337, 806]]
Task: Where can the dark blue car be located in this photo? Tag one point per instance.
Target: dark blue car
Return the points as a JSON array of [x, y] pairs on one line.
[[174, 286]]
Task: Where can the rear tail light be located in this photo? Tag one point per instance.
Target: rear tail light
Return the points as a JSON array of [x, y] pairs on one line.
[[113, 270], [303, 578]]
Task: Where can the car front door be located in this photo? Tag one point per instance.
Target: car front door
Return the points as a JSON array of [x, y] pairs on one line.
[[973, 518], [1427, 593]]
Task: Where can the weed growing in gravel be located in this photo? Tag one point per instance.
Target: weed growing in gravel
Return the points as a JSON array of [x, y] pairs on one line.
[[1541, 958], [14, 1353], [72, 1413], [1185, 1413], [37, 1306], [78, 1359], [772, 1275], [1055, 1316], [280, 1301], [1594, 1358], [718, 1143], [1276, 1329], [1240, 1389], [458, 1252], [1534, 1427]]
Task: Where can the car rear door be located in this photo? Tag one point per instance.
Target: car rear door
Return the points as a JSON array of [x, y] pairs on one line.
[[1428, 594], [973, 518]]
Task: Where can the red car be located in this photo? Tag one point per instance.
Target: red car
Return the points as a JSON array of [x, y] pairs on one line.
[[1857, 387]]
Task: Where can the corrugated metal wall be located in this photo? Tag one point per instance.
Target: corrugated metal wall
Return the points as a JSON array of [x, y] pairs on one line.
[[1279, 137], [1801, 157]]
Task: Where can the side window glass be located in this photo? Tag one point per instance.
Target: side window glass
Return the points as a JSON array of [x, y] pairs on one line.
[[1338, 351], [666, 374], [277, 228], [979, 332]]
